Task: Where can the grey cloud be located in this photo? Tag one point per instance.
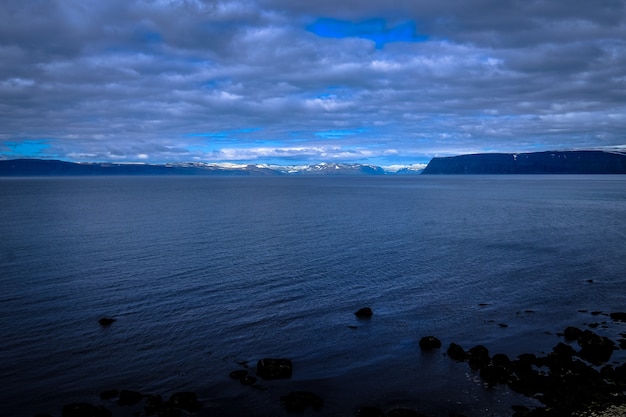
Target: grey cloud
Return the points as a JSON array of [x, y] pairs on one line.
[[118, 79]]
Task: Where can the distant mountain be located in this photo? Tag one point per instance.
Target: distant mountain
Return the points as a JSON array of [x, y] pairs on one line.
[[567, 162], [45, 167]]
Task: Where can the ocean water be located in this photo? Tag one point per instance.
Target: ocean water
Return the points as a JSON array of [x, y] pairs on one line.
[[209, 275]]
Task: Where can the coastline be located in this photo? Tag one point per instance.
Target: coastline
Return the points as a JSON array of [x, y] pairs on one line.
[[579, 377]]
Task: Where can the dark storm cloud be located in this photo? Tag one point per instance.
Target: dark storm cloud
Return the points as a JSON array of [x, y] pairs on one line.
[[273, 80]]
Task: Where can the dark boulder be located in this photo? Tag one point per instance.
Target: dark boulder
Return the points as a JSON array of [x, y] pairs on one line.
[[494, 374], [595, 348], [106, 321], [429, 343], [186, 400], [269, 368], [128, 397], [563, 351], [298, 401], [84, 410], [572, 333], [498, 371], [456, 352], [364, 312], [478, 357]]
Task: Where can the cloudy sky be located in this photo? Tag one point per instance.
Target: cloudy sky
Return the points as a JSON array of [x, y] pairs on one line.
[[288, 81]]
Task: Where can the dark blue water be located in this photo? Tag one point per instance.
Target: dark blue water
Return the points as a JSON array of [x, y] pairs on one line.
[[203, 274]]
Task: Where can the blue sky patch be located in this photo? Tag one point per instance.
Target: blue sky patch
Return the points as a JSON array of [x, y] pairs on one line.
[[28, 148], [375, 30]]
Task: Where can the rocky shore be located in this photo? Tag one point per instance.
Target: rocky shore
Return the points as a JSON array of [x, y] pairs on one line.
[[576, 378]]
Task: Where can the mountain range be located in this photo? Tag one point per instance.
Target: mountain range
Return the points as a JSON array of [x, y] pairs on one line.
[[552, 162], [46, 167]]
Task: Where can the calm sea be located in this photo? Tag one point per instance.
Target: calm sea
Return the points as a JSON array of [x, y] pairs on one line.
[[206, 275]]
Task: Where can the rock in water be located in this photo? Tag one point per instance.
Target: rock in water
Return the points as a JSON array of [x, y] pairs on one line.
[[456, 352], [106, 321], [429, 343], [594, 348], [269, 368], [364, 312]]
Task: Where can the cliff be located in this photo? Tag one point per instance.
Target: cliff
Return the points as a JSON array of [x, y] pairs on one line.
[[567, 162]]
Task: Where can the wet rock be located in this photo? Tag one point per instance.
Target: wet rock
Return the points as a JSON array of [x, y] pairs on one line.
[[185, 400], [109, 394], [572, 333], [429, 343], [563, 350], [84, 410], [456, 352], [106, 321], [269, 368], [620, 316], [128, 397], [364, 312], [594, 348], [369, 411], [498, 371], [298, 401], [478, 357]]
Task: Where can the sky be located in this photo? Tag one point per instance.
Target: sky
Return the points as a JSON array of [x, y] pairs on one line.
[[384, 82]]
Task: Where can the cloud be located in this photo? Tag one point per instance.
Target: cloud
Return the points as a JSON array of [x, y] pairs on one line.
[[169, 80]]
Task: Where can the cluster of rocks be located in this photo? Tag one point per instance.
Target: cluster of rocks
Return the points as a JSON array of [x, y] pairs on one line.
[[153, 405], [270, 369], [565, 380]]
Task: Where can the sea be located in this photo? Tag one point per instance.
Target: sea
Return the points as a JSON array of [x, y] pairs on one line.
[[207, 275]]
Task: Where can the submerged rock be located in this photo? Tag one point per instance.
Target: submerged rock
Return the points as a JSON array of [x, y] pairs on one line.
[[269, 368]]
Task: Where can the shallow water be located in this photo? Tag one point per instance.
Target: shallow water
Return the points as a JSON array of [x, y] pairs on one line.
[[203, 274]]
